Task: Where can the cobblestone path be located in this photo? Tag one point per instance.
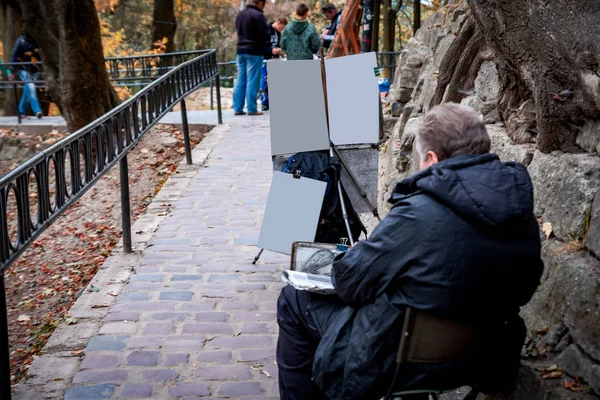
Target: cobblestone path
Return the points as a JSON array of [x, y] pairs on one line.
[[197, 319]]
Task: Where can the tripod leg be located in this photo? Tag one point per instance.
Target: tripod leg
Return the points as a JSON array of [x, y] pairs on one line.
[[345, 214], [257, 256]]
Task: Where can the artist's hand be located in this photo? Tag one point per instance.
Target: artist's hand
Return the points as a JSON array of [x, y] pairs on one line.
[[11, 77], [276, 51]]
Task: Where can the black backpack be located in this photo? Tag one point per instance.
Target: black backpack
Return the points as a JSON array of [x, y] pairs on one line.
[[318, 165]]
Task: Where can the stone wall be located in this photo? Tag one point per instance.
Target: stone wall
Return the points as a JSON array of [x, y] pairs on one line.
[[564, 315]]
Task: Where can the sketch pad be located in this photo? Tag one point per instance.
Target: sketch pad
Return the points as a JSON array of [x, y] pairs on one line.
[[292, 212], [353, 99], [297, 107]]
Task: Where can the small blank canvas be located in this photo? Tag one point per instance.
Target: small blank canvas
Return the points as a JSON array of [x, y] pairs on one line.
[[292, 212], [297, 107], [353, 99]]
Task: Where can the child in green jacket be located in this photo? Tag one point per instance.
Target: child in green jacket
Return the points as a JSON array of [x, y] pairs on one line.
[[300, 39]]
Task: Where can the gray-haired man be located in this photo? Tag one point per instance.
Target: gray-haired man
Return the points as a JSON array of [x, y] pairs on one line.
[[461, 241]]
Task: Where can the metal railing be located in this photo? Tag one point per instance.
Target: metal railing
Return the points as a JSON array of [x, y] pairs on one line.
[[89, 153]]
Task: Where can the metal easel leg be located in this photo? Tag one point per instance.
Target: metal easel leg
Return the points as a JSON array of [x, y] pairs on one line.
[[257, 256]]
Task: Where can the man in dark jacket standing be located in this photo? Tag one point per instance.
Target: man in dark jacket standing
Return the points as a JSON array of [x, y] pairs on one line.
[[251, 27], [461, 241], [272, 50], [331, 13]]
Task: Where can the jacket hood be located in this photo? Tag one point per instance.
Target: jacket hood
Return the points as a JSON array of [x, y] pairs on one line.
[[482, 189], [298, 26]]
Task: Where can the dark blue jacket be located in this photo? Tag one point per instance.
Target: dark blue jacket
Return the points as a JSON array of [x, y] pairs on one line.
[[23, 51], [274, 38], [461, 241], [251, 27]]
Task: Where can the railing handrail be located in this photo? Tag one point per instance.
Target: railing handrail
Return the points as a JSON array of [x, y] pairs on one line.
[[90, 151]]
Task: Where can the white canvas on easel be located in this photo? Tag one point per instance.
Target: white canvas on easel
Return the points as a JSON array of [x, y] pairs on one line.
[[292, 213], [297, 107], [353, 99]]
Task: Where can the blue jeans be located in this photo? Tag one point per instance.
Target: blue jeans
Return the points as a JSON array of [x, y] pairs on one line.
[[29, 95], [246, 88], [264, 96]]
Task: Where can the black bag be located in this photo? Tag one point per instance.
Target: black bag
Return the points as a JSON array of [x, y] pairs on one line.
[[318, 165]]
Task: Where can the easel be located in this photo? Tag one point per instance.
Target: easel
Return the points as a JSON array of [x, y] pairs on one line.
[[333, 152]]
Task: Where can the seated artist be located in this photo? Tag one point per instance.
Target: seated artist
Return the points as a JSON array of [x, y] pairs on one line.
[[460, 241]]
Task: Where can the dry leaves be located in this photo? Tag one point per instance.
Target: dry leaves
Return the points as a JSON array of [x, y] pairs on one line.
[[551, 372]]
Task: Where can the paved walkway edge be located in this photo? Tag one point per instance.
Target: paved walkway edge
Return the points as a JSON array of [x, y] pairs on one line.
[[50, 374]]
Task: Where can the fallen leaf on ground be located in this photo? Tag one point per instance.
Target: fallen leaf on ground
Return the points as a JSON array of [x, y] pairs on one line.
[[547, 229], [24, 318], [574, 386]]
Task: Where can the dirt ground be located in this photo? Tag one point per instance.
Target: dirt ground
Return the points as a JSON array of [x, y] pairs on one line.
[[200, 99], [47, 279]]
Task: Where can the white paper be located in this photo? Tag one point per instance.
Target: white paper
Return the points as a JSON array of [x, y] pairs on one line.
[[313, 283], [292, 213], [353, 99], [296, 107]]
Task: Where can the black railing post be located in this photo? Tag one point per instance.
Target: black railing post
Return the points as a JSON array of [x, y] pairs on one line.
[[4, 344], [211, 95], [186, 133], [125, 205], [17, 102], [219, 113]]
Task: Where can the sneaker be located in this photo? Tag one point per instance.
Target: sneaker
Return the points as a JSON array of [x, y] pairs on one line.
[[265, 108], [239, 113], [24, 116], [39, 115], [255, 113]]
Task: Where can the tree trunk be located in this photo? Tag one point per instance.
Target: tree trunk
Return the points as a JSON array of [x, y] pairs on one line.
[[68, 34], [11, 29], [416, 16], [164, 24], [553, 50]]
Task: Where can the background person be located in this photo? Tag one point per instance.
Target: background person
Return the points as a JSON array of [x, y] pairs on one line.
[[300, 39], [331, 13], [461, 241], [271, 51], [26, 51], [251, 27]]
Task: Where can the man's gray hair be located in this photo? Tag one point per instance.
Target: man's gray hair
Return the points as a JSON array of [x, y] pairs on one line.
[[451, 130]]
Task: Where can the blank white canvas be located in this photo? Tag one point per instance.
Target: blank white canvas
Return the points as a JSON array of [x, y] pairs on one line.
[[353, 99], [297, 107], [292, 212]]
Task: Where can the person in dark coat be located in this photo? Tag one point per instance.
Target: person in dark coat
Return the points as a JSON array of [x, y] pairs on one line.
[[252, 37], [272, 51], [331, 13], [26, 51], [461, 241]]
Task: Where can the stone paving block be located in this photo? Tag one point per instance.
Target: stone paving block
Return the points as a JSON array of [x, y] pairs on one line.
[[211, 317], [143, 286], [147, 269], [170, 316], [100, 376], [189, 389], [160, 374], [92, 392], [180, 285], [198, 306], [253, 355], [122, 316], [143, 306], [136, 391], [179, 296], [144, 358], [145, 342], [239, 305], [237, 389], [221, 357], [241, 342], [254, 328], [223, 373], [100, 360], [224, 277], [248, 287], [176, 359], [114, 328], [158, 328], [253, 316], [184, 343], [147, 277], [207, 328], [107, 343], [195, 277], [133, 296]]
